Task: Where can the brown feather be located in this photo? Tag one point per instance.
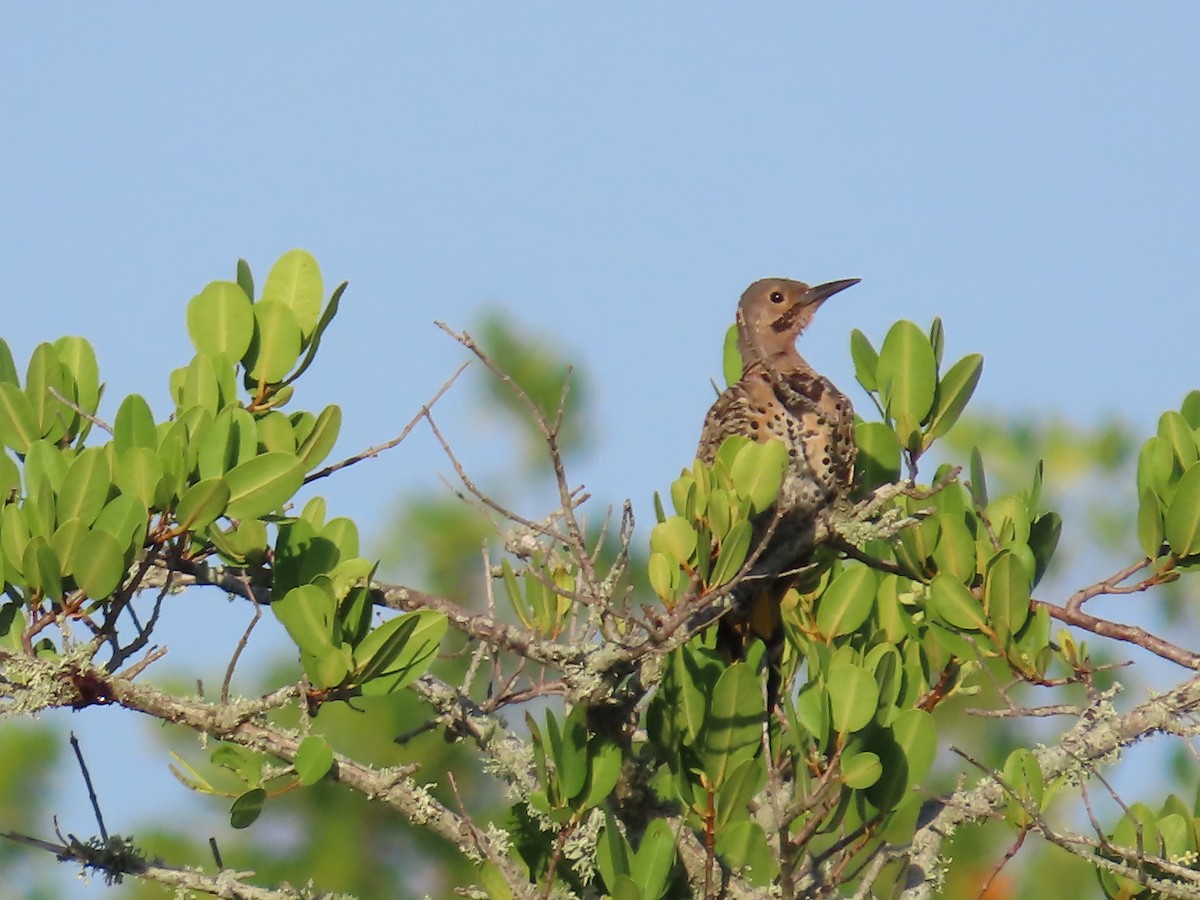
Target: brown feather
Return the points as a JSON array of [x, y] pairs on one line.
[[780, 396]]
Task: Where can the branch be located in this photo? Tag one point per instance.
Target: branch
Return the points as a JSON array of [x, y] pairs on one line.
[[371, 452], [1098, 737], [118, 857], [50, 684], [1112, 584], [1129, 634]]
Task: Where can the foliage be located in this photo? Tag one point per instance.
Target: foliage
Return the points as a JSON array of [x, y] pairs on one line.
[[648, 764]]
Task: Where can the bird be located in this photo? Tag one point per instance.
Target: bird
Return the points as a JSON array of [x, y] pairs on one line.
[[781, 396]]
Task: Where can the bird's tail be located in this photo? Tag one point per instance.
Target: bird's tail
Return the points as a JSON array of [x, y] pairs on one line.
[[756, 612]]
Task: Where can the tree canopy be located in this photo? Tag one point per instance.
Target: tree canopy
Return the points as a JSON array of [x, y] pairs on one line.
[[536, 708]]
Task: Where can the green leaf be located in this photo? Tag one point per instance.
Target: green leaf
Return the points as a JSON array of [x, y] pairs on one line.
[[732, 731], [18, 424], [245, 278], [314, 759], [307, 614], [757, 473], [887, 667], [612, 851], [202, 503], [85, 488], [723, 461], [314, 344], [1182, 525], [861, 770], [1150, 524], [343, 534], [314, 512], [743, 845], [200, 387], [276, 344], [247, 543], [1006, 594], [320, 440], [45, 461], [907, 374], [14, 538], [98, 564], [38, 507], [220, 319], [604, 771], [937, 339], [915, 732], [812, 711], [739, 789], [8, 369], [866, 360], [676, 538], [232, 440], [79, 359], [275, 433], [663, 575], [242, 762], [295, 282], [66, 540], [10, 478], [330, 667], [569, 748], [953, 393], [42, 568], [731, 357], [878, 454], [1044, 533], [847, 602], [139, 472], [262, 484], [955, 550], [1023, 777], [733, 553], [389, 663], [1155, 466], [651, 864], [950, 599], [1175, 430], [125, 518], [1191, 408], [853, 697], [46, 372], [247, 808], [978, 482], [134, 425]]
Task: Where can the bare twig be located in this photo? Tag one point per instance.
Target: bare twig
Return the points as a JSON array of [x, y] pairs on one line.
[[77, 409], [1129, 634], [1112, 584], [87, 779], [575, 537], [237, 652], [371, 452]]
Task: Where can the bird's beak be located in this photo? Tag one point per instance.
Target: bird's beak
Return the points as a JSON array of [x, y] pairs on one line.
[[817, 295]]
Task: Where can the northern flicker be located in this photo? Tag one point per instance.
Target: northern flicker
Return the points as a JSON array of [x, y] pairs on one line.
[[780, 396]]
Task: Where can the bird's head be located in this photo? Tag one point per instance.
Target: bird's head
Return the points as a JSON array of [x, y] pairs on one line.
[[774, 311]]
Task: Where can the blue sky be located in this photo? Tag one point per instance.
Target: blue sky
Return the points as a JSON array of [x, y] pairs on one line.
[[615, 179]]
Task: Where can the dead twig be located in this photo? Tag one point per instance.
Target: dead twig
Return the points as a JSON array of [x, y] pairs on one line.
[[372, 452]]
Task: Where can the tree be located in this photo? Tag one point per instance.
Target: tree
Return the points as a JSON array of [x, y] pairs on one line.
[[646, 764]]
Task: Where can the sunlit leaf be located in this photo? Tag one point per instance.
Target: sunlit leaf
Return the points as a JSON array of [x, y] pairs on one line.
[[262, 484], [220, 319], [314, 759], [276, 343], [295, 282]]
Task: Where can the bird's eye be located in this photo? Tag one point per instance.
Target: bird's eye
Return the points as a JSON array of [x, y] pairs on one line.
[[776, 297]]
